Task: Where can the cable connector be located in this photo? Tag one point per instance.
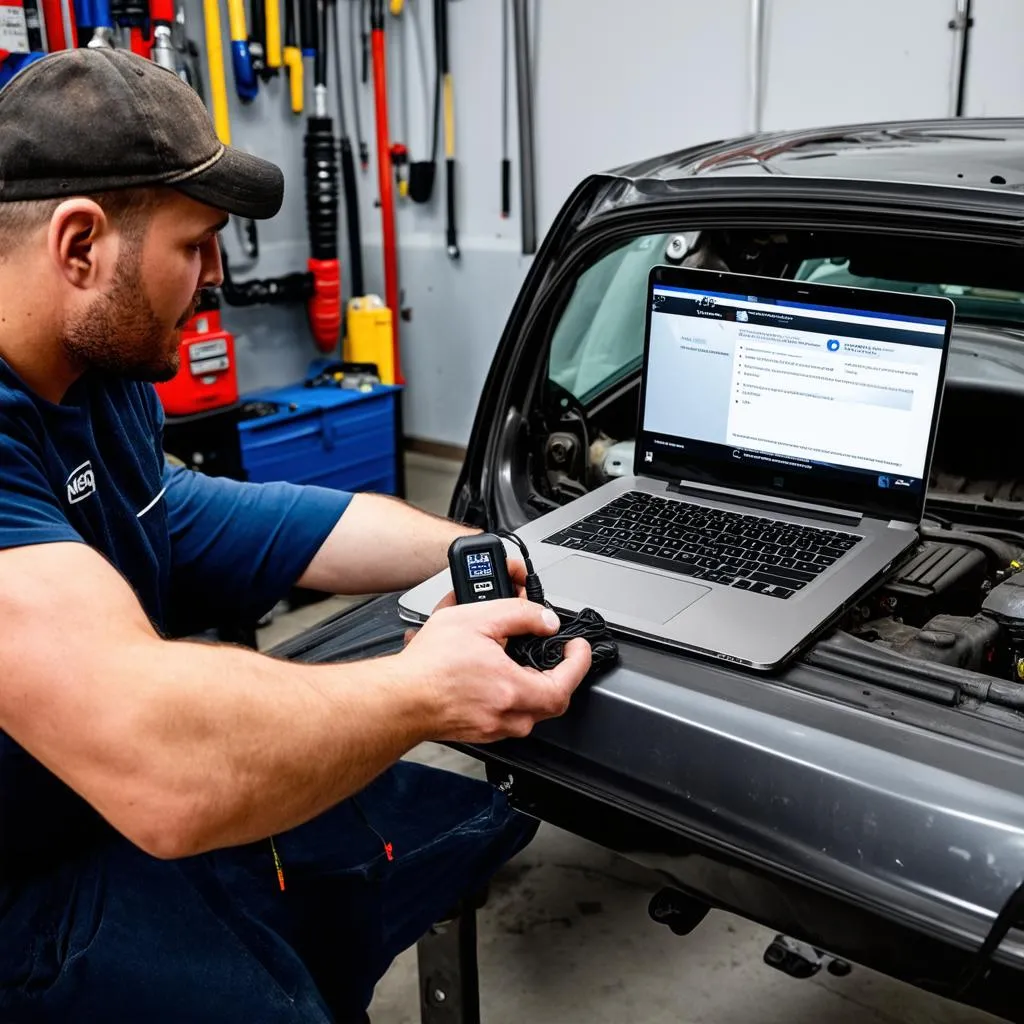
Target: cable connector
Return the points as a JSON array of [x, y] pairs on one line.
[[534, 587]]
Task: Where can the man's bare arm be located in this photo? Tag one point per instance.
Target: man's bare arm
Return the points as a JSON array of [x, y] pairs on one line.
[[381, 544], [185, 747]]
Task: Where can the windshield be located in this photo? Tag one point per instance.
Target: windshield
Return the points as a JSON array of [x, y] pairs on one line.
[[599, 339], [972, 303]]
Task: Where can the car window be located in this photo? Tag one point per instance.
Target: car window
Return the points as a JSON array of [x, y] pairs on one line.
[[972, 303], [600, 336]]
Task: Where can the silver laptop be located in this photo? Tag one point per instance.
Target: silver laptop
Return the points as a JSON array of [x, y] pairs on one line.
[[784, 441]]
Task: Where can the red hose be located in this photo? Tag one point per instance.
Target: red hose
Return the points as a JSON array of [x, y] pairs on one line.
[[387, 196]]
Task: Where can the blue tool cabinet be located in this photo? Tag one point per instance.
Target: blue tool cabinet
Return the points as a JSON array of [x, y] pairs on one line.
[[327, 436]]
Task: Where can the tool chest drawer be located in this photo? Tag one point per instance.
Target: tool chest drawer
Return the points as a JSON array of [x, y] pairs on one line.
[[326, 436]]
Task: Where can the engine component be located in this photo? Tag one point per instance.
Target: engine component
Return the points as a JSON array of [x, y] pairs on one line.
[[1005, 607], [564, 463], [955, 640], [938, 577], [618, 460]]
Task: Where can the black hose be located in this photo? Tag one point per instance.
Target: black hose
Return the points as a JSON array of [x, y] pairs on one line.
[[289, 289], [320, 62], [321, 189], [1001, 552]]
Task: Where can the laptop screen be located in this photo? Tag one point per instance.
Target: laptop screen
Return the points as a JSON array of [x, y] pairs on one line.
[[821, 393]]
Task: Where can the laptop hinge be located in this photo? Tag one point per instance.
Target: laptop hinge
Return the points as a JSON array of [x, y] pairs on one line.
[[901, 524], [766, 502]]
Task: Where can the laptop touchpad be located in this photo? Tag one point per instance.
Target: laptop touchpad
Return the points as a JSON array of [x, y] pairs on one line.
[[629, 590]]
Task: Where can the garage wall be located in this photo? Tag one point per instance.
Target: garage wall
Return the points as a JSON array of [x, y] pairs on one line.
[[615, 81]]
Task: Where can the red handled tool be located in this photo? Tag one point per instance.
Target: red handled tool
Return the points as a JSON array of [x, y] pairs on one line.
[[385, 175], [61, 31], [322, 200]]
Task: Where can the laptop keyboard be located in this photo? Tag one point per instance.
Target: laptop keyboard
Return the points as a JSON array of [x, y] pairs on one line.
[[748, 552]]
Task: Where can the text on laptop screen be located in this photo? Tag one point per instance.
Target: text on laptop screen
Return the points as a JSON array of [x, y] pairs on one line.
[[791, 385]]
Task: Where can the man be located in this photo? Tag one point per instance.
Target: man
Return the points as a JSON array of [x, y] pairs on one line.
[[191, 832]]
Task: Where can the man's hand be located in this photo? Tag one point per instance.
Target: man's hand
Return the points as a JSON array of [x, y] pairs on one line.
[[480, 693]]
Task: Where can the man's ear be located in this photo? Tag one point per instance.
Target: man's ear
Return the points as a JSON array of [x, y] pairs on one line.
[[82, 243]]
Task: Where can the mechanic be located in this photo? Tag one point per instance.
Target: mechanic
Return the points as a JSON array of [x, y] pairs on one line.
[[181, 837]]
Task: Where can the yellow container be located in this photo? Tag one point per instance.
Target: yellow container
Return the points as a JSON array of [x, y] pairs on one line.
[[369, 335]]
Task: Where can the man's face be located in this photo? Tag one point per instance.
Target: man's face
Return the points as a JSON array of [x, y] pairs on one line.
[[133, 327]]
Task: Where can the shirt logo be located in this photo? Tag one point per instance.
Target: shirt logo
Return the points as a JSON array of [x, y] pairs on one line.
[[81, 483]]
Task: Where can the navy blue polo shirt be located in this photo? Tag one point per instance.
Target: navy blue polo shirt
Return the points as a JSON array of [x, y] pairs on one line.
[[198, 551]]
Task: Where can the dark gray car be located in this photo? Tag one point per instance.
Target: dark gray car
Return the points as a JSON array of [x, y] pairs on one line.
[[869, 800]]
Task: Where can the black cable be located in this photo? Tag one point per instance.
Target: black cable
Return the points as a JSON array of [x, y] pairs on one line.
[[545, 652], [1008, 918], [534, 588]]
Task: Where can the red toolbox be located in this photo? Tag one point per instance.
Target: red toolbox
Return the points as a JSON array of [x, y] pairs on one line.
[[207, 377]]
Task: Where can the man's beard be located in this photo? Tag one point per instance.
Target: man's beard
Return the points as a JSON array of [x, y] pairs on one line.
[[120, 332]]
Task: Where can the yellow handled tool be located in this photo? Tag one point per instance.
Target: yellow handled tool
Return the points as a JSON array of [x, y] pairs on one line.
[[273, 27], [293, 58], [396, 7], [241, 57], [215, 66]]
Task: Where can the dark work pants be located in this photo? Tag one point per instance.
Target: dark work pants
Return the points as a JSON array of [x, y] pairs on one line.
[[120, 936]]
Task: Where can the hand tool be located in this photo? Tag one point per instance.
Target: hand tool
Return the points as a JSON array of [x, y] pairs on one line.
[[189, 64], [161, 14], [131, 17], [241, 58], [506, 164], [61, 32], [258, 40], [324, 306], [524, 95], [355, 21], [400, 150], [95, 14], [348, 170], [272, 21], [384, 175], [293, 57], [423, 172], [215, 66], [441, 30]]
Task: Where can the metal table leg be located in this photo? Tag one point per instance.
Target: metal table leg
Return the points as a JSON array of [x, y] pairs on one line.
[[449, 980]]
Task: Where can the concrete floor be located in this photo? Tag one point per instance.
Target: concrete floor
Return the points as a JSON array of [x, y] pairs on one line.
[[565, 937]]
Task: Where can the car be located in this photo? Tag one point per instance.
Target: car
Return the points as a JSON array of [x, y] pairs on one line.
[[868, 800]]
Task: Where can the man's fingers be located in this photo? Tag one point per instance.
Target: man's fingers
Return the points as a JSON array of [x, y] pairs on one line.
[[575, 664], [511, 617], [517, 571], [448, 601]]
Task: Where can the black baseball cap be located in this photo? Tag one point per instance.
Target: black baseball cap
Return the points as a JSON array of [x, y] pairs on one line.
[[83, 121]]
